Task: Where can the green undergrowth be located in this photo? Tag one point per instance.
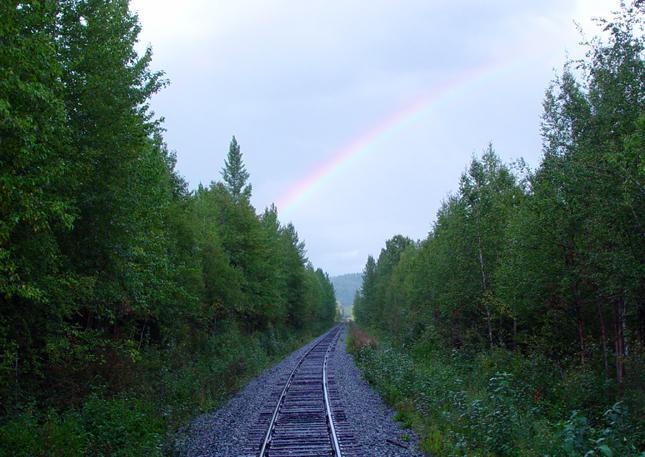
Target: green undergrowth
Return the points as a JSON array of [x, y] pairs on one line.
[[501, 403], [172, 389]]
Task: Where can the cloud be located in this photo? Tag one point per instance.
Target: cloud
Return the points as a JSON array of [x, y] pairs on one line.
[[346, 255], [295, 81]]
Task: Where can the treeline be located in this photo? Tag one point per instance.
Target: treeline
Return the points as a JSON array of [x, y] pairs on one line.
[[549, 261], [111, 270]]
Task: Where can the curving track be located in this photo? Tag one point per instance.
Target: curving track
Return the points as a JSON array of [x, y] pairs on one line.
[[305, 417]]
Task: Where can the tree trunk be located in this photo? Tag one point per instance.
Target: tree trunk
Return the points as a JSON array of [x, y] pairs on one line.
[[514, 332], [577, 305], [603, 336], [579, 322], [143, 329], [581, 335], [619, 331], [489, 325], [483, 273]]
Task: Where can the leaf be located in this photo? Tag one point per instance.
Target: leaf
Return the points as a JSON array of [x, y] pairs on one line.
[[605, 450]]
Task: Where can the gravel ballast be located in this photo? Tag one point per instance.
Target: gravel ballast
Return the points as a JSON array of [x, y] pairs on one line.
[[223, 433], [375, 429]]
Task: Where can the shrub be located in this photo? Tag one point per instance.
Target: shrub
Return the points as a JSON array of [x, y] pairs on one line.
[[176, 385], [359, 340], [496, 402]]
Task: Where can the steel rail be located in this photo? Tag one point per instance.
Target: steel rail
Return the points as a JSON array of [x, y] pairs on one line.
[[330, 416], [276, 411]]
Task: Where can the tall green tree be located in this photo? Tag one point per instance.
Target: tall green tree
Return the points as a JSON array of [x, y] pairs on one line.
[[34, 205], [364, 307], [548, 261], [234, 173], [122, 189], [590, 186], [489, 194], [114, 277]]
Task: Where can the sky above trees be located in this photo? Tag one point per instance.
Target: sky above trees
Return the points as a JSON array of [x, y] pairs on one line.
[[411, 89]]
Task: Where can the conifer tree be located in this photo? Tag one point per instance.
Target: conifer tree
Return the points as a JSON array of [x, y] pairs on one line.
[[113, 275], [234, 173]]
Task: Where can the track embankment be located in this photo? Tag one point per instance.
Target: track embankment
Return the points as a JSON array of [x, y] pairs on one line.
[[313, 403]]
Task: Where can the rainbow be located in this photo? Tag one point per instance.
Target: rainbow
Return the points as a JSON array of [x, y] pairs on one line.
[[351, 152]]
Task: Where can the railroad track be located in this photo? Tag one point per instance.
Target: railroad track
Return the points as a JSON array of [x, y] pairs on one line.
[[304, 417]]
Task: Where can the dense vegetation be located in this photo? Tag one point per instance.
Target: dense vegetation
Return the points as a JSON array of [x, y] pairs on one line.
[[128, 304], [517, 327]]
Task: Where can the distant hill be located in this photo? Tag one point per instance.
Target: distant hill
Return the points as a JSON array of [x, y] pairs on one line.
[[345, 287]]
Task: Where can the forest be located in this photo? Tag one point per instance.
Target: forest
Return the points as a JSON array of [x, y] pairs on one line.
[[345, 287], [517, 326], [128, 303]]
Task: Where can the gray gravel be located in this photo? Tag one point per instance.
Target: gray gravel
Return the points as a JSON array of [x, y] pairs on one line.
[[223, 433], [373, 420]]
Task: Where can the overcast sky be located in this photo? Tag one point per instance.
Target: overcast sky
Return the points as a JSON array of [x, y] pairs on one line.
[[421, 85]]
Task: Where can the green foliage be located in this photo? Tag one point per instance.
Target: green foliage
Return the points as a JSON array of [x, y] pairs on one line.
[[465, 405], [174, 388], [127, 303], [34, 151], [235, 175], [608, 440], [117, 427], [537, 274]]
